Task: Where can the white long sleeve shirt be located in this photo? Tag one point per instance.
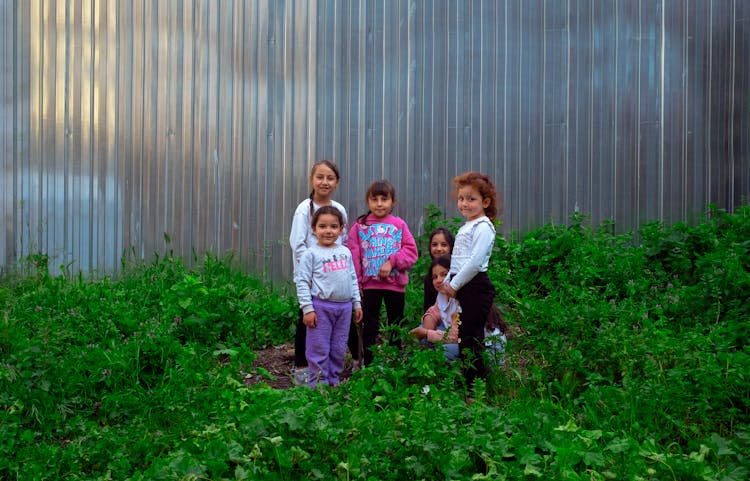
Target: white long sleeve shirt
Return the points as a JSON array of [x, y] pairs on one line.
[[471, 251], [301, 236]]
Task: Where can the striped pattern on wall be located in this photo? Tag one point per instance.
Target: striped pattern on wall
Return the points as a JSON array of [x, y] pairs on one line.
[[190, 126]]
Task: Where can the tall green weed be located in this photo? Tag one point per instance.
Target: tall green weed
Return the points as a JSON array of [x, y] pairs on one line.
[[664, 321], [629, 360]]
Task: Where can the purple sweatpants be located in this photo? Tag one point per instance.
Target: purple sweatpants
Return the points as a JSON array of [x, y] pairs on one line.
[[326, 343]]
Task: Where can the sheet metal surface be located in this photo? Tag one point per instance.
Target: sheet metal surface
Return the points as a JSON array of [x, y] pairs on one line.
[[189, 126]]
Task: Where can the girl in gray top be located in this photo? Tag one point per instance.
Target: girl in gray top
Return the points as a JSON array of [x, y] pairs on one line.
[[327, 292]]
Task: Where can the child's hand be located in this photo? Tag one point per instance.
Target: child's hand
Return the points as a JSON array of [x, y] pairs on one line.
[[357, 315], [452, 337], [385, 270], [311, 319], [446, 289], [419, 332]]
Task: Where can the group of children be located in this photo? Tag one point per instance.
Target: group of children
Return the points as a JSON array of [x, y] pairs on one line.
[[343, 277]]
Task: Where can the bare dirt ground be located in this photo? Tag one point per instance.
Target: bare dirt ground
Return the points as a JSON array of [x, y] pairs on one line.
[[278, 361]]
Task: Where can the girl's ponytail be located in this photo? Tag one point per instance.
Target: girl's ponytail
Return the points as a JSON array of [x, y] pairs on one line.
[[363, 218], [496, 320]]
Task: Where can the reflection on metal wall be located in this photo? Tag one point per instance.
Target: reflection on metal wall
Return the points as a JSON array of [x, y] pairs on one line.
[[191, 126]]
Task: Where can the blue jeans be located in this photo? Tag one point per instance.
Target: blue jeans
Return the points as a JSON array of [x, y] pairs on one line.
[[449, 349]]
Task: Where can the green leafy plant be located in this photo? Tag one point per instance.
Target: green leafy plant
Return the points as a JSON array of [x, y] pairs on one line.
[[628, 360]]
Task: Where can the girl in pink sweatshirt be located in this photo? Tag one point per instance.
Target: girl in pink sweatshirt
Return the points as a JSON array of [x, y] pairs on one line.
[[383, 251]]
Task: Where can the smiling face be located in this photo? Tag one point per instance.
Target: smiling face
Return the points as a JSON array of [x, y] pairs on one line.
[[439, 246], [324, 181], [470, 202], [380, 205], [327, 229], [438, 275]]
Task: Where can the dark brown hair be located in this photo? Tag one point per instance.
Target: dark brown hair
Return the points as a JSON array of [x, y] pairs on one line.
[[495, 319], [331, 165], [446, 233], [379, 187], [443, 261], [327, 209]]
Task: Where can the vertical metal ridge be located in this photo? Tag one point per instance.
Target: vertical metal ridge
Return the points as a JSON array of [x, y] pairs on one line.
[[662, 74], [637, 193], [709, 117], [615, 158], [686, 108], [617, 109], [732, 67]]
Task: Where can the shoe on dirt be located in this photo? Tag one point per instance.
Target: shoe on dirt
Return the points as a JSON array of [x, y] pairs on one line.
[[301, 376]]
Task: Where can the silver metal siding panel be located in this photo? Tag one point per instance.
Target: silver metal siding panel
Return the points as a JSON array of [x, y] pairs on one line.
[[126, 121], [741, 117], [8, 135]]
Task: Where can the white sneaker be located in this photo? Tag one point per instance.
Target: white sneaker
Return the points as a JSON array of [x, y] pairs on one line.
[[301, 376]]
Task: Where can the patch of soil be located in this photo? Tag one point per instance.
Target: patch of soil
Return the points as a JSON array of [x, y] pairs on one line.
[[279, 361]]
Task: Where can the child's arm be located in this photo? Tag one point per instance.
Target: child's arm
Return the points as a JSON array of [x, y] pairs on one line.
[[430, 321], [303, 283], [429, 334], [406, 256], [481, 248], [431, 317], [356, 296], [345, 227], [352, 243], [446, 289], [298, 234]]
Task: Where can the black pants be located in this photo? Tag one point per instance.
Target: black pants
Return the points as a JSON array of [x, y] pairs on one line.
[[300, 338], [476, 298], [372, 299]]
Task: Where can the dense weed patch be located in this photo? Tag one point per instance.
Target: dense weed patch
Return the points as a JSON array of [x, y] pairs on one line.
[[630, 361]]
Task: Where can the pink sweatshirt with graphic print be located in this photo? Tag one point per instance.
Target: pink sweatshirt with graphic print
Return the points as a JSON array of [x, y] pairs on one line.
[[376, 241]]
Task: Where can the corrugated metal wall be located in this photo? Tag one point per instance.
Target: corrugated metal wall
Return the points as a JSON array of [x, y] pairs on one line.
[[126, 123]]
